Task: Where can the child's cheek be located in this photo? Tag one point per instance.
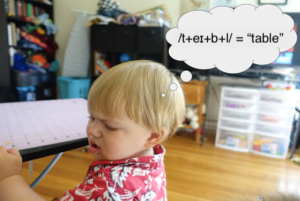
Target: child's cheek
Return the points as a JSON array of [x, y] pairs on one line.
[[112, 147]]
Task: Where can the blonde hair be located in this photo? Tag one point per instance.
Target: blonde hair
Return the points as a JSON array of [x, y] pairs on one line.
[[142, 88]]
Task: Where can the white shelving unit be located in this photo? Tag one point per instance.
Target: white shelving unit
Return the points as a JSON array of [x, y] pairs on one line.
[[256, 120], [273, 122], [236, 116]]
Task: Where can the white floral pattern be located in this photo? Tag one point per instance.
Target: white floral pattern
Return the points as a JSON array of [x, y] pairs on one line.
[[135, 179], [149, 196], [159, 180], [148, 182], [119, 174], [140, 172]]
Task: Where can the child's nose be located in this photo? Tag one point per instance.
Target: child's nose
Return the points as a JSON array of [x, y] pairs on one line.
[[95, 130]]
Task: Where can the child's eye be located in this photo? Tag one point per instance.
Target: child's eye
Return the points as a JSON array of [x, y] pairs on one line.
[[110, 128], [92, 118]]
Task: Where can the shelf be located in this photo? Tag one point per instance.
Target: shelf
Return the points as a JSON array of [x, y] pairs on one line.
[[27, 48], [274, 114], [237, 110], [236, 120], [232, 148], [272, 124], [238, 100], [187, 126], [234, 129], [18, 20], [240, 89], [38, 3], [268, 155], [270, 135], [274, 104], [18, 47]]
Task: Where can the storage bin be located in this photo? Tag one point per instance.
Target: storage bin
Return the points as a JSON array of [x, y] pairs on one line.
[[270, 146], [74, 87], [26, 93], [276, 120], [278, 97], [242, 94], [236, 115], [237, 141], [235, 125], [272, 130], [287, 111], [235, 105], [25, 79]]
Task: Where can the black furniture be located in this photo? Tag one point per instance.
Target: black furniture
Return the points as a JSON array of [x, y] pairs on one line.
[[139, 42], [8, 92]]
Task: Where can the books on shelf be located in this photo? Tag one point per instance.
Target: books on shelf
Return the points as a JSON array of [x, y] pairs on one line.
[[11, 8], [20, 8], [13, 34], [101, 63]]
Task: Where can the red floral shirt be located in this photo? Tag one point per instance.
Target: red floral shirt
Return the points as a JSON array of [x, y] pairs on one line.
[[135, 179]]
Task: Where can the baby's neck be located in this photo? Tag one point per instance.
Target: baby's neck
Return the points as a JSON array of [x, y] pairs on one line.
[[146, 152]]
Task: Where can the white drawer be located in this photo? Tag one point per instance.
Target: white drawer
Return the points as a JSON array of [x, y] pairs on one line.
[[244, 95], [239, 106], [272, 130], [287, 111], [275, 120], [235, 125], [270, 146], [232, 139], [236, 115], [279, 97]]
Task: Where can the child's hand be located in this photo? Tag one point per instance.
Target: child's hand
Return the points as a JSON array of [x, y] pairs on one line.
[[10, 162]]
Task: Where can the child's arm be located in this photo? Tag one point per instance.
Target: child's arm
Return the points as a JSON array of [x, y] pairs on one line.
[[13, 186]]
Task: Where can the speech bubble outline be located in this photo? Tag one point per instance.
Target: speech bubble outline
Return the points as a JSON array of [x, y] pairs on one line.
[[232, 57]]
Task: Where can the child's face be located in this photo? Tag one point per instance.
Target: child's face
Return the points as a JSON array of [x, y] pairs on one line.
[[117, 138]]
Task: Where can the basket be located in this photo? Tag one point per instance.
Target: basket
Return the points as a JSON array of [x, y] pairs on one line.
[[74, 87]]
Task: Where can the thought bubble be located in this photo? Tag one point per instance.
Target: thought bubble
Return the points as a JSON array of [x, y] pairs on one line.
[[186, 76], [232, 39], [173, 87]]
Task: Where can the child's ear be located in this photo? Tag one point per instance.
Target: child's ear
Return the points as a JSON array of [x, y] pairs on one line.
[[156, 138]]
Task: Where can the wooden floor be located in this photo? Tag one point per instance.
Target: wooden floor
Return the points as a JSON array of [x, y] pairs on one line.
[[193, 172]]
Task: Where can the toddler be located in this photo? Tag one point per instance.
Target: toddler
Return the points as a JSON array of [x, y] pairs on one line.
[[132, 110]]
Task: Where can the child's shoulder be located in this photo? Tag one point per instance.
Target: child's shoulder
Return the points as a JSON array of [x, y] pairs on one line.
[[140, 178]]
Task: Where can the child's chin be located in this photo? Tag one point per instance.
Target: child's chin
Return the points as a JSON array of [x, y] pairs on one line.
[[98, 157]]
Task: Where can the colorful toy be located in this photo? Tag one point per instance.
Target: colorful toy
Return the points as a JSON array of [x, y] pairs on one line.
[[267, 145], [239, 106], [296, 160], [278, 85], [124, 57], [268, 118], [33, 39]]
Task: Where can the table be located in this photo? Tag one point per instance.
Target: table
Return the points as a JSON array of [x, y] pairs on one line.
[[42, 128]]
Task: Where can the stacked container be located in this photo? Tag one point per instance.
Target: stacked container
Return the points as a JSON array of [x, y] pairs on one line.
[[236, 116], [256, 120], [273, 122]]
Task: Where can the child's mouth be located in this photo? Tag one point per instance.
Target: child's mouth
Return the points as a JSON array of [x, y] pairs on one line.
[[93, 148]]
